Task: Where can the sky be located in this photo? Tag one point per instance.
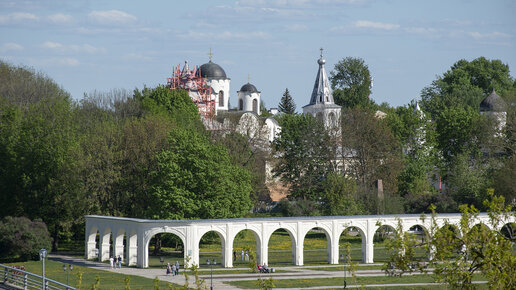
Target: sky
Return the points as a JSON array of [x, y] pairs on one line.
[[103, 45]]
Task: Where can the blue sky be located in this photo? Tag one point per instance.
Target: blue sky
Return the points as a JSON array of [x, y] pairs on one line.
[[101, 45]]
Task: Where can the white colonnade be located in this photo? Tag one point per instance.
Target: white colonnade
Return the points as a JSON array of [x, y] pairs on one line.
[[138, 233]]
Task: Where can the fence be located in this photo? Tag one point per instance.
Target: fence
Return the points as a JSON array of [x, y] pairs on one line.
[[22, 279]]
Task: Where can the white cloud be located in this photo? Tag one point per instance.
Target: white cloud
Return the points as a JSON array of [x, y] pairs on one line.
[[111, 17], [52, 45], [296, 27], [87, 48], [60, 18], [137, 57], [68, 61], [15, 18], [420, 30], [225, 35], [375, 25], [10, 46], [490, 35]]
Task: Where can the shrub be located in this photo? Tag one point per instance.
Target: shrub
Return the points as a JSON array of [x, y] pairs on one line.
[[21, 238]]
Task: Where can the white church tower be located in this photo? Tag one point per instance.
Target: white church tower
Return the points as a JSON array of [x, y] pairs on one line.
[[249, 99], [321, 103], [218, 81]]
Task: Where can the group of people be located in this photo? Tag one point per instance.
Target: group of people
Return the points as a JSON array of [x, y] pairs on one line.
[[174, 269], [263, 269], [243, 255], [114, 261]]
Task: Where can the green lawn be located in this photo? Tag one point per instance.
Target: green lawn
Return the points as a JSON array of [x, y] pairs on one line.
[[295, 283], [108, 280]]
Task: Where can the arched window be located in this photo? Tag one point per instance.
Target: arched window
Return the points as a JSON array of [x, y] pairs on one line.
[[241, 104], [255, 106], [331, 116], [221, 98]]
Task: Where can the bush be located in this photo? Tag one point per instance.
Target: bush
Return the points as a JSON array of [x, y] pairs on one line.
[[21, 238]]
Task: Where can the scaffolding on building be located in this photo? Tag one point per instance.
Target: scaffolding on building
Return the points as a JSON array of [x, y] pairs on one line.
[[196, 86]]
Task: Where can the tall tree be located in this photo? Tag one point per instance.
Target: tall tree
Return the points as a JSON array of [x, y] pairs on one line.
[[466, 83], [371, 150], [287, 104], [195, 180], [351, 82], [306, 154]]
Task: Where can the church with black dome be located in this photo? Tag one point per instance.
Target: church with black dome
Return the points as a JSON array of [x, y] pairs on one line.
[[248, 97]]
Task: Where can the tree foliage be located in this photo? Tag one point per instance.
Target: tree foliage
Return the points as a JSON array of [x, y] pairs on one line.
[[375, 152], [351, 82], [195, 179], [21, 238], [287, 104], [306, 153], [465, 84]]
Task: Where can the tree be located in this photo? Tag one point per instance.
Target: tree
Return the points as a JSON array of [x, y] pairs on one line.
[[465, 84], [340, 196], [370, 149], [21, 238], [195, 180], [480, 248], [351, 82], [287, 104], [306, 154], [456, 129], [457, 252]]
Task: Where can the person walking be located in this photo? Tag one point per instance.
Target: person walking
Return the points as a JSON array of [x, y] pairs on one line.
[[169, 269], [234, 256], [242, 255], [111, 262], [177, 268], [119, 262], [173, 269]]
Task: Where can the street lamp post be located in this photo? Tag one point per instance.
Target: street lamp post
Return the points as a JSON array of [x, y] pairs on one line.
[[211, 263], [42, 257], [345, 262], [67, 270]]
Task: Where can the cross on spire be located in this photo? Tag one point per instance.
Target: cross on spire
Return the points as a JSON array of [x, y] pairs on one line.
[[248, 78], [210, 54], [321, 49]]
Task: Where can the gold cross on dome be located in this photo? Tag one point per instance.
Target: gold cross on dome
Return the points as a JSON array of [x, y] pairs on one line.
[[210, 54]]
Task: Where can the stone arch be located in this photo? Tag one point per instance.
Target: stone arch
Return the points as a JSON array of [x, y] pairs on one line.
[[154, 231], [221, 236], [92, 242], [105, 244], [351, 230], [292, 238], [380, 234], [255, 106], [119, 243], [508, 230], [238, 251], [328, 241], [221, 98]]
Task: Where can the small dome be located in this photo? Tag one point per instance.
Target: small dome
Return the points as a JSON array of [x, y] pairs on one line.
[[212, 70], [249, 88], [321, 61], [493, 102]]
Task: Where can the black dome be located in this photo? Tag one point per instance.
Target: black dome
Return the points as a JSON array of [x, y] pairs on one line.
[[249, 88], [493, 102], [212, 70]]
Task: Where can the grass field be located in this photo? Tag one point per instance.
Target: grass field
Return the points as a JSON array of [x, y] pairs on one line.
[[293, 283], [108, 280]]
